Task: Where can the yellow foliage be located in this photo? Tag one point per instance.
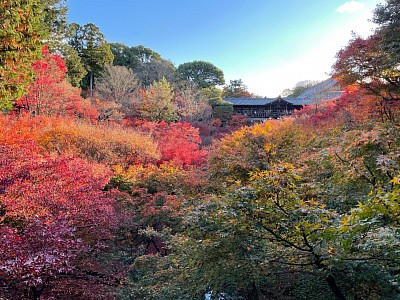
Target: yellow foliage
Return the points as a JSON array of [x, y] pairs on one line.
[[108, 144], [256, 147], [112, 145]]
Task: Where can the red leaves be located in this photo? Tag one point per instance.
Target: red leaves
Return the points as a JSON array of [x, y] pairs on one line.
[[39, 251], [354, 106], [53, 188], [51, 94], [46, 201], [54, 211], [178, 143], [359, 61], [363, 61], [157, 207]]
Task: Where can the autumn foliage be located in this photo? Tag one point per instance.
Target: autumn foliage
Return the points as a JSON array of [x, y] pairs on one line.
[[118, 200], [52, 208], [51, 94], [177, 142], [355, 106]]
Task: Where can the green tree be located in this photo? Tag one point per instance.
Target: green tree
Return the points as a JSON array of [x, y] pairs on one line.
[[238, 241], [236, 89], [25, 26], [124, 56], [147, 64], [21, 34], [387, 16], [211, 93], [92, 48], [378, 220], [75, 68], [145, 55], [55, 20], [204, 74], [221, 110], [370, 234], [235, 241]]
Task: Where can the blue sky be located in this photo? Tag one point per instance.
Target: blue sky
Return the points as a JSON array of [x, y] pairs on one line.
[[269, 44]]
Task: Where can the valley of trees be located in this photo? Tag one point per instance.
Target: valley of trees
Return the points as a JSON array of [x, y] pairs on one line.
[[123, 176]]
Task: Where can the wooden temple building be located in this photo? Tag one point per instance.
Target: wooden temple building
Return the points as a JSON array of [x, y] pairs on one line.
[[259, 109], [263, 108]]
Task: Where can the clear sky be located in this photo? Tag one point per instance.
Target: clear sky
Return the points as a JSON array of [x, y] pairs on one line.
[[269, 44]]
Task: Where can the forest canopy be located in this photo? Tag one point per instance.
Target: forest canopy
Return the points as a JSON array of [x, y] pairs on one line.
[[125, 177]]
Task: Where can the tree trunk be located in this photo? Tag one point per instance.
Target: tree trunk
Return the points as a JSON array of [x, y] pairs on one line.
[[35, 293], [334, 288], [91, 84], [253, 294], [330, 279]]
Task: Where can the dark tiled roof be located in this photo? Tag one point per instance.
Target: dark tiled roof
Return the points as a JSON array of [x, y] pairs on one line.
[[312, 95], [250, 101], [316, 98], [332, 95], [296, 101], [265, 101], [321, 87]]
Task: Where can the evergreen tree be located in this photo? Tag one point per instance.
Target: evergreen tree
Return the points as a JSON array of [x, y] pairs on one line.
[[25, 25], [20, 44], [92, 48]]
